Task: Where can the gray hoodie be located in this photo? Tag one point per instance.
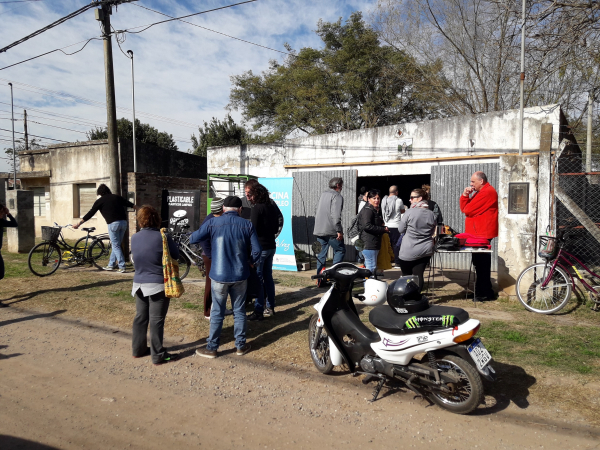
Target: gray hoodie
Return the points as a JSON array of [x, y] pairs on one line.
[[419, 225], [328, 219]]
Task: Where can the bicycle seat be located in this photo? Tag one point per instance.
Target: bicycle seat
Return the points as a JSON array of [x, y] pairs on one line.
[[91, 229]]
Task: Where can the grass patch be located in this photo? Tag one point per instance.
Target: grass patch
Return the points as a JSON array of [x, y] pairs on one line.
[[565, 348], [193, 306]]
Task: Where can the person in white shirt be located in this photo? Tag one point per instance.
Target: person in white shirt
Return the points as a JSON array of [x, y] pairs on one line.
[[392, 208]]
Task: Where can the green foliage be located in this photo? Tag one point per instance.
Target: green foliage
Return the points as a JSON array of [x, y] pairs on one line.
[[144, 133], [217, 133], [354, 82]]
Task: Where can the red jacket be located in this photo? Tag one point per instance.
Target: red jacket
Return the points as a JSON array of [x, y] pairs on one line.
[[482, 212]]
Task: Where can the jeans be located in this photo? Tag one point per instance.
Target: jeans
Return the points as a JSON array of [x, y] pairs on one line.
[[394, 236], [416, 267], [339, 250], [152, 309], [207, 297], [219, 293], [116, 232], [371, 259], [264, 270]]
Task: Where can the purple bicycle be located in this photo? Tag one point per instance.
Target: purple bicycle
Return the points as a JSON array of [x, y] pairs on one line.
[[546, 287]]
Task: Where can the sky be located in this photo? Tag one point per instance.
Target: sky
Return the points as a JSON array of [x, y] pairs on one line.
[[182, 72]]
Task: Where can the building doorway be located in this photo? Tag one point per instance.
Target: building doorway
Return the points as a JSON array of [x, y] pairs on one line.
[[405, 183]]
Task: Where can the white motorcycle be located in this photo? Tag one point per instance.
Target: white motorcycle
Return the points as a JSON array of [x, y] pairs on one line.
[[451, 358]]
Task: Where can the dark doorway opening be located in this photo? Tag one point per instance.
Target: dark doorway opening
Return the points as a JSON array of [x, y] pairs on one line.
[[405, 183]]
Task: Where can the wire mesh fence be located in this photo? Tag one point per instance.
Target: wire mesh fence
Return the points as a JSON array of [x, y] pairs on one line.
[[580, 182]]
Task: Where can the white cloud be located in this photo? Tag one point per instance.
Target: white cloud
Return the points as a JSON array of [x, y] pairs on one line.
[[181, 71]]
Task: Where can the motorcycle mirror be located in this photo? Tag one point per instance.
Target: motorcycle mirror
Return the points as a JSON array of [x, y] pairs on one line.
[[360, 245], [316, 247]]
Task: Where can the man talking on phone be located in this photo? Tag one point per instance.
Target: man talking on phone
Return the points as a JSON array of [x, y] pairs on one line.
[[479, 203]]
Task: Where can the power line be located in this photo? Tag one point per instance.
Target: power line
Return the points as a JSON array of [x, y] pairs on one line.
[[214, 31], [33, 135], [20, 1]]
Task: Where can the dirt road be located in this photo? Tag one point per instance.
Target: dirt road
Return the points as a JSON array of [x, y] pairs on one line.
[[66, 384]]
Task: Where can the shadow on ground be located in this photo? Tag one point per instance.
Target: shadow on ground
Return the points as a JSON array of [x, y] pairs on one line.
[[15, 443], [29, 295]]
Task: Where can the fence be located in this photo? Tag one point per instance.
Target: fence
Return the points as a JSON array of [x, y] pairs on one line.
[[577, 203]]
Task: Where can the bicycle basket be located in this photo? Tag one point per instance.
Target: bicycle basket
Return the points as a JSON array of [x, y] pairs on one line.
[[50, 233], [548, 248]]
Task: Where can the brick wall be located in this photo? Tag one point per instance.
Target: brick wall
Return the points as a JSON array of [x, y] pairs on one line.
[[148, 188]]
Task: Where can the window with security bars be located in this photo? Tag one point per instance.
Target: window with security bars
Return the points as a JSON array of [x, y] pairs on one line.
[[39, 201], [85, 198]]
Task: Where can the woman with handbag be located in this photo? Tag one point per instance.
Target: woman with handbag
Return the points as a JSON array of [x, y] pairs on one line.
[[151, 303], [418, 225]]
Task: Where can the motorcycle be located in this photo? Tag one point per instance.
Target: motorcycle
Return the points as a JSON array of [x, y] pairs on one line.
[[452, 361]]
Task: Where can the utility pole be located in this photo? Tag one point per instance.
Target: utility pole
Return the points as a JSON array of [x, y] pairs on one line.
[[25, 127], [14, 149], [130, 53], [103, 16], [522, 78], [590, 117]]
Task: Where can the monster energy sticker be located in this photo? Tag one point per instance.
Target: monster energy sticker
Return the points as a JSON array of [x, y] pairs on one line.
[[434, 321]]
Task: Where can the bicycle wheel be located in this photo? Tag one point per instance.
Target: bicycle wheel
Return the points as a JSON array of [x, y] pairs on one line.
[[80, 249], [44, 259], [184, 265], [543, 300], [99, 252]]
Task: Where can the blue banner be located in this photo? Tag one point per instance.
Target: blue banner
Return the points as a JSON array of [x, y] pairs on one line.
[[281, 193]]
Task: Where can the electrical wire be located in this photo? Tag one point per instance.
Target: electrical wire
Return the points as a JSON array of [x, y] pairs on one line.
[[208, 29], [33, 135], [20, 1]]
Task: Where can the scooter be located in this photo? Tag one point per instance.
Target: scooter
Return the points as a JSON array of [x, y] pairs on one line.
[[431, 349]]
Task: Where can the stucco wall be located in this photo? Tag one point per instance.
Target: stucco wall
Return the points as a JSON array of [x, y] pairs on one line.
[[490, 133], [517, 232]]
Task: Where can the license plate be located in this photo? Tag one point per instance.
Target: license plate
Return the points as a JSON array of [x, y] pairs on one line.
[[479, 354]]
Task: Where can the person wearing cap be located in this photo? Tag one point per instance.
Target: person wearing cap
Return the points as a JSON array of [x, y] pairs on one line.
[[232, 239], [216, 210]]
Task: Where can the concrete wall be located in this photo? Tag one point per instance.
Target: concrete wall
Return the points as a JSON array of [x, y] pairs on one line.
[[517, 233], [148, 190], [20, 239], [464, 136], [46, 220]]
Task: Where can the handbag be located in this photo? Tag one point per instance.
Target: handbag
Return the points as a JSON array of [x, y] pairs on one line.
[[173, 285]]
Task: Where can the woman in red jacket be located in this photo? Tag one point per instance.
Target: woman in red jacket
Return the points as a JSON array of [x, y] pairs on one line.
[[479, 203]]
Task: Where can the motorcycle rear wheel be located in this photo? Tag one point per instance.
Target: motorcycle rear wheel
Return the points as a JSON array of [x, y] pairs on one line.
[[320, 356], [467, 394]]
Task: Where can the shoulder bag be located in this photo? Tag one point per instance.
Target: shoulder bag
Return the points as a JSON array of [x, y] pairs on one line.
[[173, 285]]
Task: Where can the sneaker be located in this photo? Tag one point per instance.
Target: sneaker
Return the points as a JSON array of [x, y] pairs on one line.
[[242, 351], [122, 270], [146, 353], [206, 353], [269, 312], [167, 359], [228, 312], [108, 268], [255, 316]]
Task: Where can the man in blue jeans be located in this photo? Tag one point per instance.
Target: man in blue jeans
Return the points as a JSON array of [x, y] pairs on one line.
[[328, 223], [112, 207], [232, 239]]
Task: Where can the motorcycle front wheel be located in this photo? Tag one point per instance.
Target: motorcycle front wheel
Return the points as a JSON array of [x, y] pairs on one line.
[[466, 393], [320, 355]]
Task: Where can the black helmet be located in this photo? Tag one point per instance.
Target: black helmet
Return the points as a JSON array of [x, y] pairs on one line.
[[404, 297]]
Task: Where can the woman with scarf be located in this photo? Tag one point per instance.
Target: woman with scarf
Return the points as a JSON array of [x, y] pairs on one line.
[[418, 225], [370, 224]]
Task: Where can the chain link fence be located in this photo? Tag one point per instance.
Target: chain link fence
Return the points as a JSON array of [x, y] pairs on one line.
[[581, 184]]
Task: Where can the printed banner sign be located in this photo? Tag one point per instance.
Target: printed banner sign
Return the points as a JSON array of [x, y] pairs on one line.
[[281, 193], [182, 206]]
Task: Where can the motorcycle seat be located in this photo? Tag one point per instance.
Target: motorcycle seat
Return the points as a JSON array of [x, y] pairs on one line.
[[435, 317]]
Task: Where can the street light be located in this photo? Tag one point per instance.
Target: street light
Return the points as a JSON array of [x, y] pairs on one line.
[[13, 138], [130, 53]]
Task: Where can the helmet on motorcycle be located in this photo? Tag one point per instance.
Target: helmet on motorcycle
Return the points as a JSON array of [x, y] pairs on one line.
[[404, 297], [375, 292]]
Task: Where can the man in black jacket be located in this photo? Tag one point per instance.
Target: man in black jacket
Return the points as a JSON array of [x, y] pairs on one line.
[[112, 207]]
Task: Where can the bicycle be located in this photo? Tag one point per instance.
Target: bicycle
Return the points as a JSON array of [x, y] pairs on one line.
[[45, 258], [188, 253], [546, 287]]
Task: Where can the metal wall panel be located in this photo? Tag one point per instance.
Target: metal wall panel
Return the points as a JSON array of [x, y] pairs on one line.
[[447, 185], [308, 187]]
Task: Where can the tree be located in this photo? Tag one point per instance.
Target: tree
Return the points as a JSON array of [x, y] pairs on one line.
[[34, 144], [478, 44], [217, 133], [353, 82], [144, 133]]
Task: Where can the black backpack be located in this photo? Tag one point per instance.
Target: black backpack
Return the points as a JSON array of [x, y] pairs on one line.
[[446, 242]]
